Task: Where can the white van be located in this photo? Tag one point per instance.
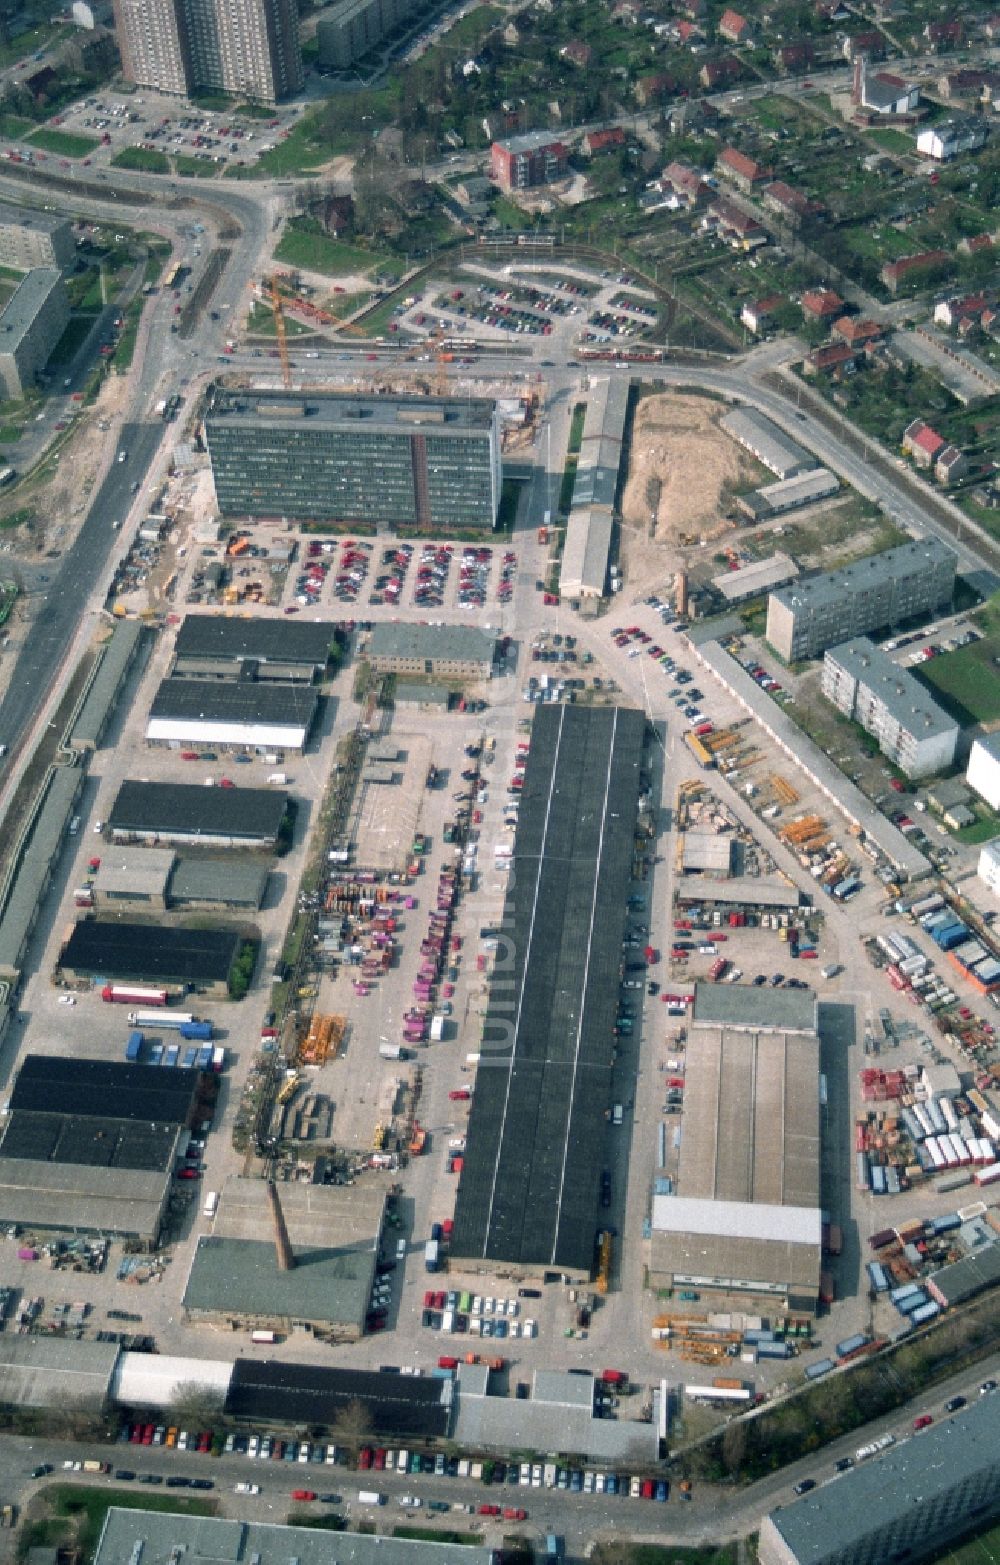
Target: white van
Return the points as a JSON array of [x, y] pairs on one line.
[[370, 1497], [211, 1203], [617, 1114]]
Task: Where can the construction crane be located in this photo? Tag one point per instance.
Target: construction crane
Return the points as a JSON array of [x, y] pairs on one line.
[[279, 328]]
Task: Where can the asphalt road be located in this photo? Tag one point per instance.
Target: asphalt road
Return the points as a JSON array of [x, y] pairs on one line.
[[49, 636]]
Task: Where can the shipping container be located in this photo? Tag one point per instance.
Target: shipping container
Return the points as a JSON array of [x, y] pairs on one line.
[[124, 994], [432, 1256], [133, 1048], [173, 1020]]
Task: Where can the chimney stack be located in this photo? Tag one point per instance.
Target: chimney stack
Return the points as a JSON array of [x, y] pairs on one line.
[[282, 1243]]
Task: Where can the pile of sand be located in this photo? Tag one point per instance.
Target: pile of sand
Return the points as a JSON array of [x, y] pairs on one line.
[[681, 465]]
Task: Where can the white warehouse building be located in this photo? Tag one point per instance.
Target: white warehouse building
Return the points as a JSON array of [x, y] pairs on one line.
[[983, 775]]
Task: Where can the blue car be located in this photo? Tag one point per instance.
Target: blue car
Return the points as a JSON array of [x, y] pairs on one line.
[[611, 1484], [660, 1492], [576, 1481]]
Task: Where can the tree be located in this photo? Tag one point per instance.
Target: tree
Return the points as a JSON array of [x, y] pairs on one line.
[[353, 1421], [195, 1406], [734, 1446]]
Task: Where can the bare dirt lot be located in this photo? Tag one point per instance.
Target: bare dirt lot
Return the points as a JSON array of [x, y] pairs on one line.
[[682, 469]]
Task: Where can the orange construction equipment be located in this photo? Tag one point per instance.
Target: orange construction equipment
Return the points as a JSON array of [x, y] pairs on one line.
[[323, 1039], [418, 1140]]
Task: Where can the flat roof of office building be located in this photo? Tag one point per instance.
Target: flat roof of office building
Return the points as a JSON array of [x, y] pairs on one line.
[[763, 1008], [19, 313], [529, 1188], [441, 643], [62, 1084], [115, 949], [162, 809], [246, 638], [163, 1537], [244, 701], [905, 699], [339, 410], [913, 1474], [875, 570], [297, 1393]]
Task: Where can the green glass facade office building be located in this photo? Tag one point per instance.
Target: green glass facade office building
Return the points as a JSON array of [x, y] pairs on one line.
[[429, 463]]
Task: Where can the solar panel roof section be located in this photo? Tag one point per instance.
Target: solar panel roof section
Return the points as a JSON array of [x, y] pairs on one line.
[[529, 1186]]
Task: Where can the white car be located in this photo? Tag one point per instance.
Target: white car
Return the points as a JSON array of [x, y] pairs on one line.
[[72, 1467], [98, 828], [247, 1488], [536, 1476], [515, 1328], [512, 1307], [489, 1305], [305, 1451], [253, 1449], [457, 1144], [331, 1455], [477, 1304], [410, 1502], [528, 1328], [588, 1482], [67, 999]]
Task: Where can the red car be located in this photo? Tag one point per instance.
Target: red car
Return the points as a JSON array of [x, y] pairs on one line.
[[303, 1494], [365, 1458], [379, 1460], [226, 782], [514, 1513], [205, 1441], [189, 1173], [489, 1510], [429, 1299], [189, 755], [923, 1421]]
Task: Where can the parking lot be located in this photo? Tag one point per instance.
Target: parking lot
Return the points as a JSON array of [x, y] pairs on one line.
[[152, 122]]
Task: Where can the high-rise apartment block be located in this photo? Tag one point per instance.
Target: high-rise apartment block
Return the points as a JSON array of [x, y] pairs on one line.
[[29, 238], [431, 463], [817, 612], [248, 48], [892, 705]]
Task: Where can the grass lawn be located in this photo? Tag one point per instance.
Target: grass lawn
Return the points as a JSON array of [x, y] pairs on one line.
[[982, 1549], [301, 150], [65, 144], [9, 433], [892, 140], [316, 252], [966, 680], [194, 168], [626, 1553], [148, 160], [76, 1515], [27, 44], [15, 126]]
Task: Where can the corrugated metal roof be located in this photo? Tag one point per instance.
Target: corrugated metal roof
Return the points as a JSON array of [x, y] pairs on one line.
[[746, 1005], [42, 1372], [442, 643], [737, 1219], [205, 1540]]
